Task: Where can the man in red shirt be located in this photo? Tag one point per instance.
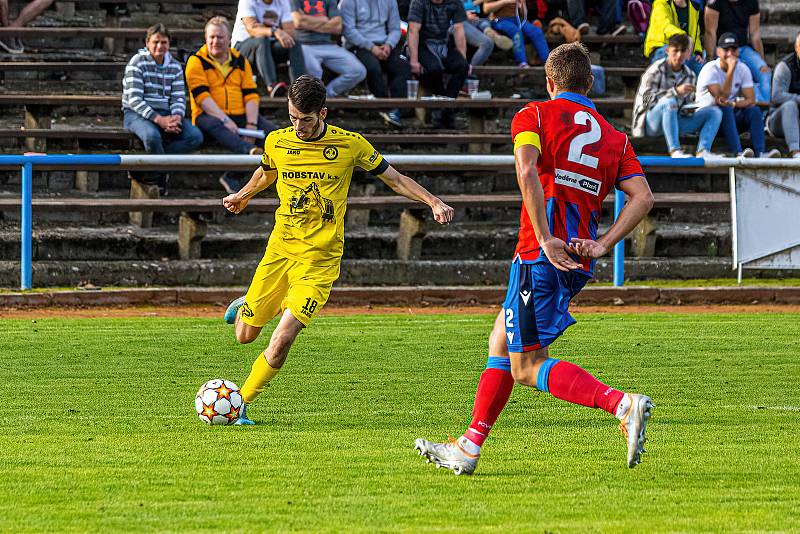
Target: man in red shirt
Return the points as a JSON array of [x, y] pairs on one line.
[[568, 158]]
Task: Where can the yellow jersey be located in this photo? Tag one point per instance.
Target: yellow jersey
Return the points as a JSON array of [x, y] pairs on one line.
[[312, 184]]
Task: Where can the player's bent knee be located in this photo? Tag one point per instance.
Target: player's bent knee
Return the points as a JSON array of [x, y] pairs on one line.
[[523, 375], [246, 334], [244, 338]]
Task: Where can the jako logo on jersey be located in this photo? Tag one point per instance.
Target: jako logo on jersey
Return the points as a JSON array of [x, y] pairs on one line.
[[307, 175], [374, 156], [293, 152], [578, 181], [330, 153]]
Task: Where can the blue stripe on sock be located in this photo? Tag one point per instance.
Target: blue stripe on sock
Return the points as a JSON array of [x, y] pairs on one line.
[[498, 362], [544, 374]]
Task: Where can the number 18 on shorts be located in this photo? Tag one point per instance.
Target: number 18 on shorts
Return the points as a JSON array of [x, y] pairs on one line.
[[281, 283]]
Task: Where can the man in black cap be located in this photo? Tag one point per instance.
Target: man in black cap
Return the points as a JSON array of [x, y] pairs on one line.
[[740, 17], [726, 82]]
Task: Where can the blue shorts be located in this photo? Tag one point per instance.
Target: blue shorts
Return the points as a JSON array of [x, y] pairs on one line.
[[536, 306]]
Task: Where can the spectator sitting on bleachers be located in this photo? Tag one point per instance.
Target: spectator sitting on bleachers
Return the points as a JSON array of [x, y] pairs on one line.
[[742, 18], [264, 33], [154, 103], [668, 18], [507, 18], [372, 33], [431, 55], [784, 121], [666, 88], [317, 22], [484, 26], [573, 12], [223, 96], [14, 45], [726, 82]]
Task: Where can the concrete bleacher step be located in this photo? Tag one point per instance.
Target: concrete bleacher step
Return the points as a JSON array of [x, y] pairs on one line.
[[206, 273], [467, 241]]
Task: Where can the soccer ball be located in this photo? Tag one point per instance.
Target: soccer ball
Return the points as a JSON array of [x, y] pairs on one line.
[[218, 402]]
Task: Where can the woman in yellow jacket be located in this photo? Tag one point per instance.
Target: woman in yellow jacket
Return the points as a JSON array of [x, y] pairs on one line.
[[667, 18], [223, 96]]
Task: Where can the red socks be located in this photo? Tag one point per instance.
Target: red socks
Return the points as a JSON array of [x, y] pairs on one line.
[[563, 380], [494, 389], [569, 382]]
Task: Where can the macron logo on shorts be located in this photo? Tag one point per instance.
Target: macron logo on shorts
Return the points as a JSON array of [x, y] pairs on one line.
[[578, 181], [526, 296]]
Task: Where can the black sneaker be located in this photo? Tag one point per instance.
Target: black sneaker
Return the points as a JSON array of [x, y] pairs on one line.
[[229, 183], [163, 180], [12, 45]]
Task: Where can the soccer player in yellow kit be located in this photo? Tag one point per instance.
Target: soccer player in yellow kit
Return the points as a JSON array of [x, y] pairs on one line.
[[312, 163]]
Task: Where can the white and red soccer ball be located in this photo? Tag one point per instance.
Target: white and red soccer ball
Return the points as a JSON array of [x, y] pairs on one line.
[[218, 402]]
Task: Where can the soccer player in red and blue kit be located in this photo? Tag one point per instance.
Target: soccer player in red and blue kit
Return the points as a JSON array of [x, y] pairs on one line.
[[567, 158]]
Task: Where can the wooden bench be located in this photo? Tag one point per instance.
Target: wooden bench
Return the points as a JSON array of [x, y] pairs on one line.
[[192, 228], [197, 33], [38, 108]]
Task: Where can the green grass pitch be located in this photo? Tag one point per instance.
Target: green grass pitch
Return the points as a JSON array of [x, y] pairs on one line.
[[98, 431]]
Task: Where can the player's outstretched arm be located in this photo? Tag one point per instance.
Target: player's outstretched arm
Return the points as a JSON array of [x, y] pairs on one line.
[[403, 185], [639, 204], [260, 180], [525, 157]]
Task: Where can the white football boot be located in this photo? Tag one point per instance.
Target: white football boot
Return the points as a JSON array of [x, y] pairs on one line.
[[633, 423], [450, 455]]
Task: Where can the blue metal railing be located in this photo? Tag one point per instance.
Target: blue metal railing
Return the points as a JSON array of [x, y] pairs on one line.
[[122, 162]]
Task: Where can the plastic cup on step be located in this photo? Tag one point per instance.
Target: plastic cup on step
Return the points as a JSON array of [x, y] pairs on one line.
[[413, 89], [472, 86]]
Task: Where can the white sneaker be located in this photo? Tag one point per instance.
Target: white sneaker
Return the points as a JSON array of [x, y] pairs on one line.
[[679, 154], [449, 455], [707, 154], [774, 153], [633, 424], [747, 153]]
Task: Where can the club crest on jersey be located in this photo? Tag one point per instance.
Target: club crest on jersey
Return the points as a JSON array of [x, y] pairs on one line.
[[578, 181], [330, 153]]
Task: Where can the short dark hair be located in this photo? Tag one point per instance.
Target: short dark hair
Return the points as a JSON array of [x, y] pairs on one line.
[[307, 94], [159, 29], [569, 67], [680, 41]]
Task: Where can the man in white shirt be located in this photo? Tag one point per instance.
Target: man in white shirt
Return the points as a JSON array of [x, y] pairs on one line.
[[264, 33], [727, 83]]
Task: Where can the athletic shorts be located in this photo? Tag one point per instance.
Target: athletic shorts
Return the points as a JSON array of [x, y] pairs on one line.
[[536, 306], [280, 283]]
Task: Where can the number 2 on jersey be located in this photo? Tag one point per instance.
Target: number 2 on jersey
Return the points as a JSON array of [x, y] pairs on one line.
[[576, 154]]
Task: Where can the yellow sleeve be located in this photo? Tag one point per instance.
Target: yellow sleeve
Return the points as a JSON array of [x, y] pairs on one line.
[[196, 80], [367, 157], [267, 162]]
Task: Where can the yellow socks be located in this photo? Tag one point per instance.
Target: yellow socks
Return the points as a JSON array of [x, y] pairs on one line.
[[259, 377]]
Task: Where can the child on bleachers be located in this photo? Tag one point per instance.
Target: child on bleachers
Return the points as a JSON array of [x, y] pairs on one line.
[[510, 18]]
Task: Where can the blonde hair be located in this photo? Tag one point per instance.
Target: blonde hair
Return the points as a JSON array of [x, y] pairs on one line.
[[218, 21]]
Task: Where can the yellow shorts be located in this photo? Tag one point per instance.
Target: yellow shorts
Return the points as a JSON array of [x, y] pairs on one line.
[[280, 283]]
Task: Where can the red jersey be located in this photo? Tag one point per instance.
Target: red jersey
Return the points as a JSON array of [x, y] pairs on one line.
[[582, 158]]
